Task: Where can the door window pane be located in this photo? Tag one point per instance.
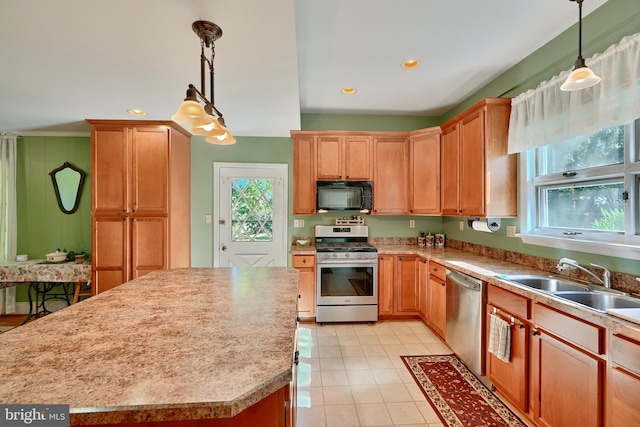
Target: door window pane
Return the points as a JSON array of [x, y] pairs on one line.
[[593, 207], [252, 210]]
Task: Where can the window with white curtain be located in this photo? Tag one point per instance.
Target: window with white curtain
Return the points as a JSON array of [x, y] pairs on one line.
[[579, 164]]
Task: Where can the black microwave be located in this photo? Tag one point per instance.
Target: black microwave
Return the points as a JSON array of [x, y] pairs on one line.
[[344, 196]]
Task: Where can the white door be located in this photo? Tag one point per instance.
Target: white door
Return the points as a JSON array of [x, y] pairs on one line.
[[250, 206]]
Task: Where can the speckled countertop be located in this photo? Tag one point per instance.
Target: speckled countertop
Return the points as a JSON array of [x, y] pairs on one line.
[[487, 269], [171, 345]]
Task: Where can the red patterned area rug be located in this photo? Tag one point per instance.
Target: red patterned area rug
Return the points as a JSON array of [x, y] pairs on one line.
[[457, 395]]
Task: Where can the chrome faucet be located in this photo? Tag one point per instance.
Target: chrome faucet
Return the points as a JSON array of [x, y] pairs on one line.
[[570, 264]]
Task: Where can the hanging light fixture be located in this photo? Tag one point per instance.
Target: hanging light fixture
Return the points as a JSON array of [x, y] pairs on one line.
[[207, 120], [581, 77]]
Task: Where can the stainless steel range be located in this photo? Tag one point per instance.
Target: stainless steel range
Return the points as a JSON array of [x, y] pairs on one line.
[[347, 274]]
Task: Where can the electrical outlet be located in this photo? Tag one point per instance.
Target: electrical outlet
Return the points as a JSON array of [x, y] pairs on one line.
[[461, 226], [301, 222], [207, 219], [511, 231], [412, 223]]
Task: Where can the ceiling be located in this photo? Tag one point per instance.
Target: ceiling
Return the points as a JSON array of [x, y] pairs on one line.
[[65, 61]]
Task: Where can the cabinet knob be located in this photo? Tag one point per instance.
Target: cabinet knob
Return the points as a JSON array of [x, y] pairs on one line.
[[443, 284], [534, 333], [304, 261], [520, 326]]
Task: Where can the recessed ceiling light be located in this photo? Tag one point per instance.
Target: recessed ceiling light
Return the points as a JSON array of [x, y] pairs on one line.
[[410, 64], [349, 90], [137, 112]]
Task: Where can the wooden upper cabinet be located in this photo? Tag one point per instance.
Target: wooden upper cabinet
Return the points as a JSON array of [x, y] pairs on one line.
[[131, 169], [329, 158], [358, 155], [343, 157], [450, 170], [391, 175], [109, 170], [476, 166], [150, 170], [424, 172], [304, 174]]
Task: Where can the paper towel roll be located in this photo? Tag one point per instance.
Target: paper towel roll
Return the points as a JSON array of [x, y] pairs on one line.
[[480, 226]]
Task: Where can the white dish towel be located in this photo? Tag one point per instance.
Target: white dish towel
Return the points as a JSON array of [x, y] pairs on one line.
[[500, 338]]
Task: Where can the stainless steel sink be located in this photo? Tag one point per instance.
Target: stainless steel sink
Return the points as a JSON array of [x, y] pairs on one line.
[[600, 301], [549, 283]]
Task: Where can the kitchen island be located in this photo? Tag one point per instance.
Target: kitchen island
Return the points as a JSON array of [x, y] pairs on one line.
[[193, 346]]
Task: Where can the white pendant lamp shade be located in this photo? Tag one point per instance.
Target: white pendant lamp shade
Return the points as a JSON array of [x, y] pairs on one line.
[[189, 113], [209, 126], [580, 78], [225, 139]]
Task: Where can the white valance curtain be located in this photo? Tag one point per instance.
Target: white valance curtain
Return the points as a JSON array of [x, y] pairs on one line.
[[546, 115], [8, 213]]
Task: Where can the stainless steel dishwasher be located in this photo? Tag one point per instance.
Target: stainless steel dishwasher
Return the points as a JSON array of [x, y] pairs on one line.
[[465, 302]]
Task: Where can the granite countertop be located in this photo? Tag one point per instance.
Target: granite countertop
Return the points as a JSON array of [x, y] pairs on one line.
[[488, 269], [172, 345]]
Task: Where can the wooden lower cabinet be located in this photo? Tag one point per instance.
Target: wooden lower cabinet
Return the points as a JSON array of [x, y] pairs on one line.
[[510, 378], [306, 265], [423, 278], [128, 248], [624, 382], [437, 298], [397, 286], [566, 379]]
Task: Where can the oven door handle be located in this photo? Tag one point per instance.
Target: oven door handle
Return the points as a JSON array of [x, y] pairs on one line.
[[347, 261]]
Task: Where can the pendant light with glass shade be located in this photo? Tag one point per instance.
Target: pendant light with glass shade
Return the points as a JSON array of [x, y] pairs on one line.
[[581, 77], [203, 119]]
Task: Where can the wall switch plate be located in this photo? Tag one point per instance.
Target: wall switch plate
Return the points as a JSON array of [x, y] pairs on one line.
[[412, 223], [298, 223], [511, 231], [207, 219], [461, 226]]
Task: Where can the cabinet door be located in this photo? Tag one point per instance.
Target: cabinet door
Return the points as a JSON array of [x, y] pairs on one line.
[[423, 277], [391, 176], [109, 170], [386, 279], [150, 170], [148, 245], [407, 292], [472, 165], [437, 305], [110, 252], [307, 292], [425, 191], [450, 168], [511, 377], [566, 384], [329, 158], [624, 389], [357, 158], [304, 176]]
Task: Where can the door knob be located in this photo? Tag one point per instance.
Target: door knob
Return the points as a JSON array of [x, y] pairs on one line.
[[224, 248]]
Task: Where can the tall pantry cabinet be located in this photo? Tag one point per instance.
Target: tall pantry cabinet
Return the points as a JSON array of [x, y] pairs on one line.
[[140, 199]]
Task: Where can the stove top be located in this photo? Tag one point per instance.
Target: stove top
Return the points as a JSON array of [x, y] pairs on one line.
[[345, 247]]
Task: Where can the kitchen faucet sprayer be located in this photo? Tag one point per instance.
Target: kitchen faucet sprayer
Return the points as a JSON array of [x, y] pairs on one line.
[[570, 264]]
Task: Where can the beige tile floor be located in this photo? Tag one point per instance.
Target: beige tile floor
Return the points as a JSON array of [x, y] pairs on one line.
[[352, 374]]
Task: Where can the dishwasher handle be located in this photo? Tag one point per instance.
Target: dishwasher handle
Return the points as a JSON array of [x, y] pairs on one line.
[[464, 281]]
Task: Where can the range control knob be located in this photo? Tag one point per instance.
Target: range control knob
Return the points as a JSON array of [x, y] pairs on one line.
[[347, 255]]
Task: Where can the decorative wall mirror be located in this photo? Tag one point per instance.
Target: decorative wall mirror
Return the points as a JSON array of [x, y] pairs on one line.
[[67, 183]]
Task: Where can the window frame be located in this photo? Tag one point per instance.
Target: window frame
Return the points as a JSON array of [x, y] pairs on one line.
[[623, 245]]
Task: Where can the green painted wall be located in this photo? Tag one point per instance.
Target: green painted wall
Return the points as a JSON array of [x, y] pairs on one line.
[[42, 226], [366, 122]]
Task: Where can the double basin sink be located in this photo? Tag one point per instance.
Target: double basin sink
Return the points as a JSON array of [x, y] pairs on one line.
[[591, 296]]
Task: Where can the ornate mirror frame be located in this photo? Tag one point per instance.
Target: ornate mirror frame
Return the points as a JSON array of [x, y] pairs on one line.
[[66, 189]]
